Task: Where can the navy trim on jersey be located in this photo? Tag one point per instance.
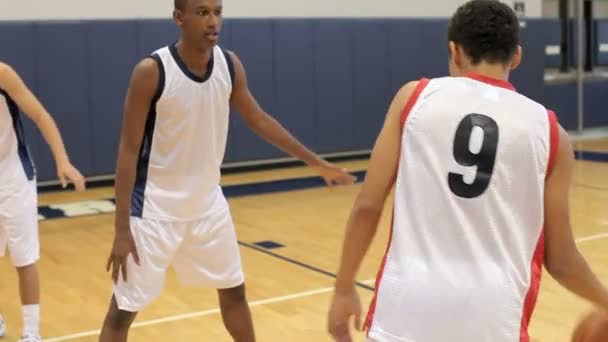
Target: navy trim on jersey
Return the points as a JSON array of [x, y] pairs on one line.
[[141, 177], [230, 64], [187, 71], [24, 155]]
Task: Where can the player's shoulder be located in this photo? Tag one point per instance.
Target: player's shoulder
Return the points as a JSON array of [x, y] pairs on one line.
[[147, 76], [4, 66], [153, 62], [230, 55], [5, 69], [525, 103], [8, 76], [148, 66], [412, 90]]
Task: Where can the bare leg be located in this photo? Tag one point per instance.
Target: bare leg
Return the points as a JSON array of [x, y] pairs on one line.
[[29, 284], [116, 324], [29, 289], [236, 314]]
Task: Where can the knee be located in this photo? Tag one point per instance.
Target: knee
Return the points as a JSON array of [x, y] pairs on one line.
[[234, 295], [27, 270], [119, 320]]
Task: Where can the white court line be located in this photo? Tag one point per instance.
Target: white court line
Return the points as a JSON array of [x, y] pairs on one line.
[[205, 312], [251, 304], [592, 237]]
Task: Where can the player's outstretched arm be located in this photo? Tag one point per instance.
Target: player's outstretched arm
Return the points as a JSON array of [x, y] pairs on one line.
[[12, 84], [365, 215], [273, 132], [563, 260], [141, 91]]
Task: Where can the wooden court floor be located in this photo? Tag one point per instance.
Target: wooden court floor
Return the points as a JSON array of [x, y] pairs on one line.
[[288, 293]]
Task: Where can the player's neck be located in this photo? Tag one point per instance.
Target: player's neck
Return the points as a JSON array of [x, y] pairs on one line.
[[495, 71], [194, 56]]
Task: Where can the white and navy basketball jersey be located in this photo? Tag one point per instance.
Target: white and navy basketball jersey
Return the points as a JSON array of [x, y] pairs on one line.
[[16, 166], [466, 247], [178, 172]]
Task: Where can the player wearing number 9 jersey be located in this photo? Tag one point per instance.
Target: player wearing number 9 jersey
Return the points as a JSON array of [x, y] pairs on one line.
[[480, 201]]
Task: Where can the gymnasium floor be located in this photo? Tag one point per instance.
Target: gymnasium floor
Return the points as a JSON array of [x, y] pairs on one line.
[[289, 286]]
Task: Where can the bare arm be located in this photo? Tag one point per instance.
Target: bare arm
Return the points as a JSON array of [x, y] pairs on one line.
[[272, 131], [142, 88], [562, 258], [363, 221], [365, 215], [29, 104]]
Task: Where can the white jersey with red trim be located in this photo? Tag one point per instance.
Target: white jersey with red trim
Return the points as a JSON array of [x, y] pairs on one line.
[[465, 254]]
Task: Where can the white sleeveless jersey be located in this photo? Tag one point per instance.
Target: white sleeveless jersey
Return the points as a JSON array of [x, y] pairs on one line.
[[16, 166], [466, 249], [178, 174]]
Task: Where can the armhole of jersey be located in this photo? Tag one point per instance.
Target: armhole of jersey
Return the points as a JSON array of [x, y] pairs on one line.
[[161, 78], [230, 65], [141, 175], [412, 100], [553, 140]]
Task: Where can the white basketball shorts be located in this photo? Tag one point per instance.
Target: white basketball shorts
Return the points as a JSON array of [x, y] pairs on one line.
[[19, 224], [204, 253]]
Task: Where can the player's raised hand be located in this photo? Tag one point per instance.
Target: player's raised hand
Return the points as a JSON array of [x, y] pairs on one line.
[[343, 307], [67, 172], [124, 244], [334, 175]]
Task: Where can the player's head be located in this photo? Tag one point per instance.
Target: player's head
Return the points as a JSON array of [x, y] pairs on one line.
[[483, 32], [199, 20]]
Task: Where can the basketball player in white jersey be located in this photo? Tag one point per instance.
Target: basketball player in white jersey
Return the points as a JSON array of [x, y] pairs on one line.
[[18, 194], [481, 181], [170, 207]]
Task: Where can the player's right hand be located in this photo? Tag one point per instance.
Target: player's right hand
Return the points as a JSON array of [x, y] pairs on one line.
[[67, 172], [343, 307], [124, 244]]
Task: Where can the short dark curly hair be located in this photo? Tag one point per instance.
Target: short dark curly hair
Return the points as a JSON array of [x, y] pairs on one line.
[[487, 30], [179, 4]]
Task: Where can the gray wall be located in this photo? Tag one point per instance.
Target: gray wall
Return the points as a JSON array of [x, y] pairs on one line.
[[120, 9]]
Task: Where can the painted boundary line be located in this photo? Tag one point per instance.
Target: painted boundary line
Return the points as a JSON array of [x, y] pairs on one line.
[[271, 300], [204, 313]]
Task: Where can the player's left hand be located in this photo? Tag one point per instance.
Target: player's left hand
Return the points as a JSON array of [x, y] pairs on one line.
[[334, 175], [344, 306], [67, 172]]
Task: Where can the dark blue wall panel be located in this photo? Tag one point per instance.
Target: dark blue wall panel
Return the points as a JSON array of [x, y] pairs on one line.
[[18, 50], [226, 35], [328, 81], [112, 54], [333, 58], [295, 83], [434, 38], [528, 78], [371, 80], [602, 38], [62, 67], [596, 102], [153, 34], [252, 41], [553, 37], [407, 60], [561, 98], [574, 48]]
